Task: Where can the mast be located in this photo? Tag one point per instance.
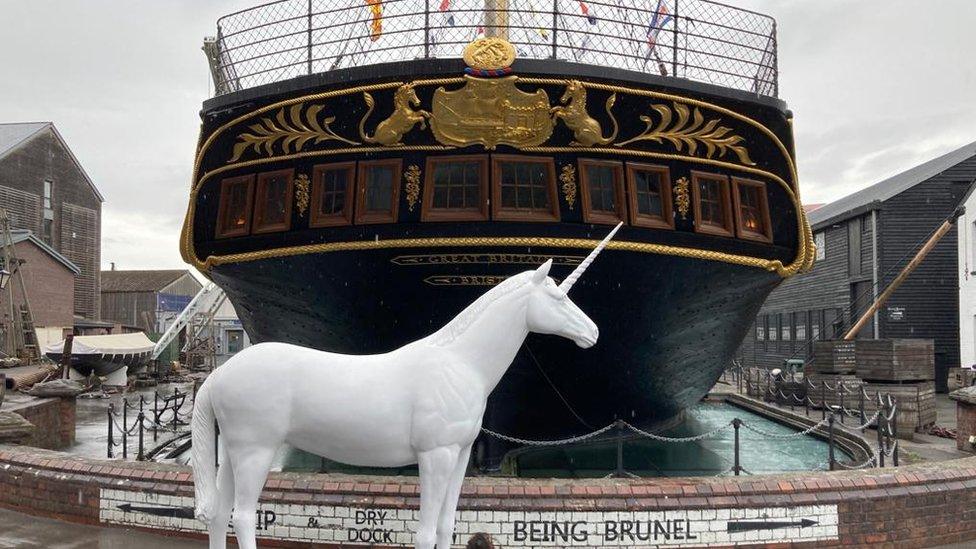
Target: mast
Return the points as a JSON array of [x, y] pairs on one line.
[[496, 18]]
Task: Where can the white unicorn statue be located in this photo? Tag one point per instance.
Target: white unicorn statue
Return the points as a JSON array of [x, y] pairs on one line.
[[422, 403]]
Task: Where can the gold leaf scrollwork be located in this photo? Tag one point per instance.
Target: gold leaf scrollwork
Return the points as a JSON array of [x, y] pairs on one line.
[[682, 200], [291, 127], [568, 178], [301, 194], [691, 130], [412, 187]]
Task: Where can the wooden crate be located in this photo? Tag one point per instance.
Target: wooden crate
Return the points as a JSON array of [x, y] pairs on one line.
[[834, 357], [961, 377], [895, 359], [915, 404], [832, 395]]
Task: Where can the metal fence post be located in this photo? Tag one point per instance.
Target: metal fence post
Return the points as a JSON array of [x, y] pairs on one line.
[[861, 406], [620, 472], [736, 467], [111, 441], [840, 396], [830, 440], [309, 37], [142, 447], [555, 26], [674, 60], [882, 421], [176, 408], [125, 429], [426, 29], [823, 399]]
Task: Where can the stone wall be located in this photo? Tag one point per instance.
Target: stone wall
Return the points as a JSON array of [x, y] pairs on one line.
[[913, 506]]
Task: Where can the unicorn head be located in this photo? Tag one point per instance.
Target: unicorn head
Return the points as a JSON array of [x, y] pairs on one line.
[[550, 310]]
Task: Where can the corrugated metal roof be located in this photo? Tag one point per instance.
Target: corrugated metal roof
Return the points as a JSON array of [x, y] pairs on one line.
[[140, 281], [18, 236], [13, 134], [879, 192]]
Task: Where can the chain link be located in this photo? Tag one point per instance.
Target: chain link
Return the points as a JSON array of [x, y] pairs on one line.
[[559, 442], [662, 438], [798, 434]]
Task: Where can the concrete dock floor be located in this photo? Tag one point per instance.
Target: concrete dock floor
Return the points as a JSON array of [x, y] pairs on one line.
[[19, 531]]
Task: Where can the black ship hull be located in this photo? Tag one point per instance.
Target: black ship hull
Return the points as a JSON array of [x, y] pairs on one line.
[[668, 325]]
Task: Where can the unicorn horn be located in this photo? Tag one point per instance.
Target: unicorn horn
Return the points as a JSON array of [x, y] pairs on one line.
[[581, 268]]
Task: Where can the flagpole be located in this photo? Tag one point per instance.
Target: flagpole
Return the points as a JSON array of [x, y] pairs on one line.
[[496, 18]]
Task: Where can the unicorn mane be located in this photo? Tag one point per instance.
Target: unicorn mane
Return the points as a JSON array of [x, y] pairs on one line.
[[460, 323]]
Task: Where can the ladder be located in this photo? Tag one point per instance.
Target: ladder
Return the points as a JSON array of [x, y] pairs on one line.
[[23, 336]]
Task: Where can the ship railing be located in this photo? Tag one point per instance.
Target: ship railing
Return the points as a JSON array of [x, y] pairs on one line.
[[698, 40]]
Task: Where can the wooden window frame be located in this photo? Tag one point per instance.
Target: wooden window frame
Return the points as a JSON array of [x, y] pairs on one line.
[[316, 219], [427, 210], [767, 235], [644, 220], [259, 189], [225, 186], [729, 229], [501, 214], [364, 217], [620, 198]]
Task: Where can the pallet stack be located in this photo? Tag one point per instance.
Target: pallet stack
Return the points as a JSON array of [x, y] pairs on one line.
[[905, 369], [834, 362]]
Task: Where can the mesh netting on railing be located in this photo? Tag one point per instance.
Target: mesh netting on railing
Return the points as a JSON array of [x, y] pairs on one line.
[[695, 39]]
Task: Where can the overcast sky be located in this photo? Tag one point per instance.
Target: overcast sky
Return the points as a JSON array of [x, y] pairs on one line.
[[877, 86]]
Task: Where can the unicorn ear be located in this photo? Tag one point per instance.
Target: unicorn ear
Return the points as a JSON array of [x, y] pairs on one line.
[[540, 274]]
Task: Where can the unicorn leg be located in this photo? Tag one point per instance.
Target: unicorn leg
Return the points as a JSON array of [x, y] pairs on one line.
[[225, 502], [436, 467], [445, 522], [250, 472]]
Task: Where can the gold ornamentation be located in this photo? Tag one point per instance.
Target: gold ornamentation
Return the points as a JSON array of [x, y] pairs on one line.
[[490, 112], [568, 177], [682, 199], [290, 126], [689, 130], [490, 53], [412, 187], [465, 280], [301, 194], [391, 131], [485, 259], [802, 262], [586, 130]]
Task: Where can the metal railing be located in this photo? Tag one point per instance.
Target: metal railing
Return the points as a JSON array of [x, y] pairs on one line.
[[698, 40]]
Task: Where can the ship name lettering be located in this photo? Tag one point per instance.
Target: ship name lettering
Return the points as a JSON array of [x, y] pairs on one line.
[[634, 530], [549, 530]]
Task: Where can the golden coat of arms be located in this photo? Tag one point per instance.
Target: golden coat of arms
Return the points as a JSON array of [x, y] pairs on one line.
[[491, 112]]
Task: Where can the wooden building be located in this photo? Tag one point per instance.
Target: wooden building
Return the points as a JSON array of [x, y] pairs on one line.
[[46, 191], [863, 241], [146, 298]]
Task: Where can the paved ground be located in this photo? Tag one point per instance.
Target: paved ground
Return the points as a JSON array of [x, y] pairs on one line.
[[18, 531]]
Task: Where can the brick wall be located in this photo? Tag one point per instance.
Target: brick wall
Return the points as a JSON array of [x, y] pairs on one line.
[[965, 425], [912, 506], [50, 287], [53, 419]]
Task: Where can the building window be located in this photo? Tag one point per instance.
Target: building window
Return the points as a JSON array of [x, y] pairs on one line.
[[524, 189], [712, 204], [379, 191], [854, 247], [649, 191], [787, 326], [751, 210], [816, 321], [234, 212], [820, 240], [602, 185], [801, 326], [456, 189], [773, 328], [332, 186], [47, 231], [760, 329], [48, 194], [272, 202]]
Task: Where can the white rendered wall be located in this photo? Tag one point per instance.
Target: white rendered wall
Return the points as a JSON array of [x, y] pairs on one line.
[[967, 284]]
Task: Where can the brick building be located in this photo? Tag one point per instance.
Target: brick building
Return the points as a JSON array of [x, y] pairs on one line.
[[863, 241], [146, 299], [46, 191], [49, 277]]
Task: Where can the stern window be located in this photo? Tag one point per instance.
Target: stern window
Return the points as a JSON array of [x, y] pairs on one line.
[[379, 191], [525, 189], [751, 210], [603, 191], [233, 217], [456, 189], [272, 211], [713, 211], [650, 196], [331, 186]]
